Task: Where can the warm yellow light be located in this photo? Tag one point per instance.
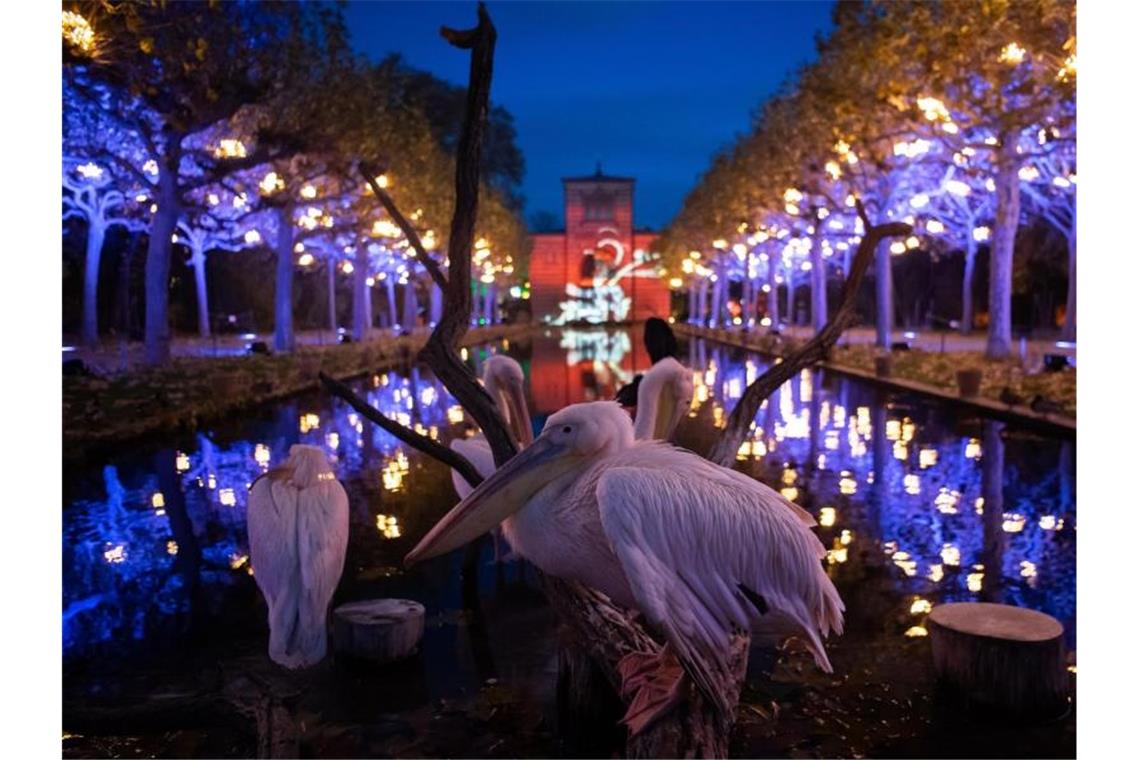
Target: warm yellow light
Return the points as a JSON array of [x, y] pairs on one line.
[[916, 631], [1012, 53], [230, 148], [346, 267], [78, 32], [305, 259], [827, 517], [252, 237], [270, 183], [382, 181]]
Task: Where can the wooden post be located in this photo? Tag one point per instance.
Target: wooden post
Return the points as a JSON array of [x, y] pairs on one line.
[[378, 630], [1000, 658]]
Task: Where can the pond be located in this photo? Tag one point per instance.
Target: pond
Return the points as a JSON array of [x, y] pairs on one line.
[[938, 505]]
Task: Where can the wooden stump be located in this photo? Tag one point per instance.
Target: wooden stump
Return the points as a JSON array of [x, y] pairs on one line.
[[1000, 658], [378, 630]]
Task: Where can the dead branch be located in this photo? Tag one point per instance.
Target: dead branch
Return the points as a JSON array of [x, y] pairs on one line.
[[815, 350], [604, 632], [432, 448], [410, 232]]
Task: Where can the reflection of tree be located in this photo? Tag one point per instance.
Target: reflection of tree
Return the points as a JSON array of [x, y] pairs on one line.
[[993, 541]]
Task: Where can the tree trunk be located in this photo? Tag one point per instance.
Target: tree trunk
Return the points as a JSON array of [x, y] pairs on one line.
[[156, 337], [1069, 331], [436, 304], [96, 233], [773, 295], [967, 324], [361, 312], [993, 509], [693, 290], [1004, 661], [411, 306], [818, 280], [999, 343], [390, 290], [331, 272], [702, 304], [198, 261], [283, 339], [884, 298]]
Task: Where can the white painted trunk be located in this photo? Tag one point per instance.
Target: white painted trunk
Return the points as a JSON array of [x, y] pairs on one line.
[[361, 307], [773, 295], [284, 340], [198, 261], [331, 273], [999, 342], [411, 306], [884, 298], [96, 234], [967, 323], [436, 304], [818, 281]]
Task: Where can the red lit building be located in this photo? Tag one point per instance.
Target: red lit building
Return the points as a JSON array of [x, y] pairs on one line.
[[598, 269]]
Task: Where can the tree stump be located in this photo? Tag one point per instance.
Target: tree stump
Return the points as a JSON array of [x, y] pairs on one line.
[[378, 630], [1000, 658]]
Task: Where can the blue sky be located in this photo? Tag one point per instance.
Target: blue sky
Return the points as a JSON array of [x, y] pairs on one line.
[[650, 89]]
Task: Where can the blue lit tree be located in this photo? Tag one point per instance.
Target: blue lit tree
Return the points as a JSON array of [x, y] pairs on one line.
[[90, 194]]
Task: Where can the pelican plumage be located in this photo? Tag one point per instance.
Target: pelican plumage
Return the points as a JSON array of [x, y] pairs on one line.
[[297, 520], [699, 549], [663, 397], [503, 378]]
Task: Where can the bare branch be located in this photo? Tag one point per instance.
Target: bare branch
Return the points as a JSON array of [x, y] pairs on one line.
[[406, 227], [432, 448], [815, 350]]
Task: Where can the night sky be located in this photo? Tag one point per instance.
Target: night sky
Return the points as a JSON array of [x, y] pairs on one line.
[[650, 89]]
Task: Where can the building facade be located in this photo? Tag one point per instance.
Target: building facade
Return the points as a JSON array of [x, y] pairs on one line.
[[598, 269]]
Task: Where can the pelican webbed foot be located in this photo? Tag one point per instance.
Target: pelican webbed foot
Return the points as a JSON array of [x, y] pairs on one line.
[[651, 686]]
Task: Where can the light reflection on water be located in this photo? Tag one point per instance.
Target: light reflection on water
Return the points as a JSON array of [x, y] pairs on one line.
[[154, 544]]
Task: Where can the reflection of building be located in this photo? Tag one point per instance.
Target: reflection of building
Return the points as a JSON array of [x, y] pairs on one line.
[[583, 365], [599, 268]]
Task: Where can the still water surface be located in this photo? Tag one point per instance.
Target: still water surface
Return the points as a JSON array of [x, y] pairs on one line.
[[155, 557]]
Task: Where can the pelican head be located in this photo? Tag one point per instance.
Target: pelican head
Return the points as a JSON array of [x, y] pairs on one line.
[[503, 379], [663, 397], [572, 438]]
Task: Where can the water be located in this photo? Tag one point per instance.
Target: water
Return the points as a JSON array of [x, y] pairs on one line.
[[155, 559]]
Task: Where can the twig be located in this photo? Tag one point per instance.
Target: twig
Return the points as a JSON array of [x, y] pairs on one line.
[[815, 350], [430, 264], [432, 448]]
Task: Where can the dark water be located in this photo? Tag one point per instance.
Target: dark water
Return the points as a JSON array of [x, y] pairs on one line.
[[155, 558]]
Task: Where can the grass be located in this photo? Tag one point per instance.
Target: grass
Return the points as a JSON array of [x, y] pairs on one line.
[[189, 392]]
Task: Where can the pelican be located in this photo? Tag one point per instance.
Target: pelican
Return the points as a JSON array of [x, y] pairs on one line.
[[699, 549], [503, 379], [663, 396], [298, 533]]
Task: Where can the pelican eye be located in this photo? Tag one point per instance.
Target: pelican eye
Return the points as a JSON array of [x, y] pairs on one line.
[[566, 429]]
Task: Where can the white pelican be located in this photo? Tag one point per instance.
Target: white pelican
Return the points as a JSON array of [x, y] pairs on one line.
[[503, 379], [298, 533], [663, 398], [700, 549]]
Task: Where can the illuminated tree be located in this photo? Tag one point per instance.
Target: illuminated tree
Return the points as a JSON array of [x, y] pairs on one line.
[[959, 212], [223, 222], [1049, 181], [983, 76], [174, 64], [89, 194]]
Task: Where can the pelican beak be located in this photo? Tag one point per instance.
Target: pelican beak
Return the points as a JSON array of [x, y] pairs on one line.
[[496, 498], [520, 419]]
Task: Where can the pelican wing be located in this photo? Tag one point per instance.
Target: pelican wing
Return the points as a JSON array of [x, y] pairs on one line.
[[271, 519], [477, 451], [322, 541], [708, 551]]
